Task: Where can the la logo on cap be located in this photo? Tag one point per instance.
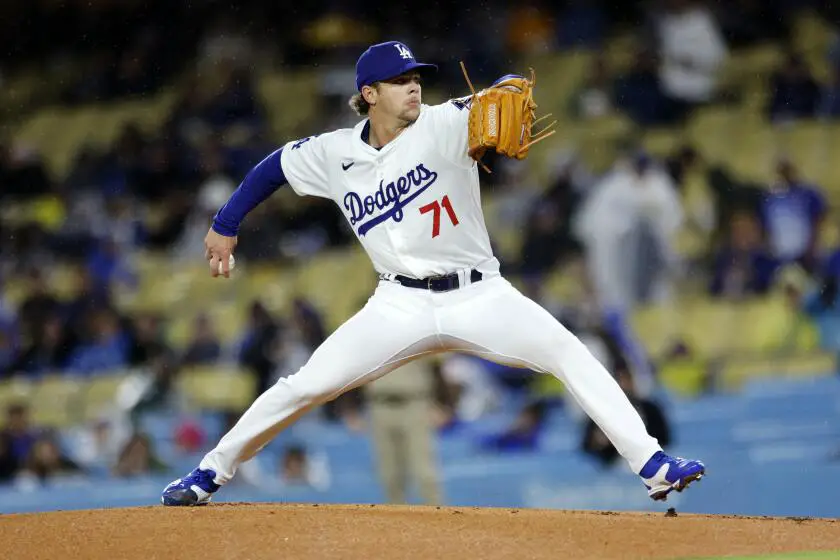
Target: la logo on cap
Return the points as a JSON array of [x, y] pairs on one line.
[[404, 52]]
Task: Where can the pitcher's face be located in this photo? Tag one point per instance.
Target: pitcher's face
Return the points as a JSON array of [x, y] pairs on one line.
[[400, 97]]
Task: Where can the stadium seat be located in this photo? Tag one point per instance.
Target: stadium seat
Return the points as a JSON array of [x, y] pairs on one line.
[[736, 372], [217, 388], [99, 394], [13, 391], [55, 401]]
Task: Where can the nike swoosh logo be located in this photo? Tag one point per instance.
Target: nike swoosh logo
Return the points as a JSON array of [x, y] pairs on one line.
[[346, 166]]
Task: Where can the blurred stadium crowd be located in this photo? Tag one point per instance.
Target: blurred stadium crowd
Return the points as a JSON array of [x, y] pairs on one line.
[[689, 194]]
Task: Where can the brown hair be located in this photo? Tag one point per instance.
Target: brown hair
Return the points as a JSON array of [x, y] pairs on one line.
[[358, 104]]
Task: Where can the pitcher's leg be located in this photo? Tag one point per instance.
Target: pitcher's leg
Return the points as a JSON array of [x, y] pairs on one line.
[[366, 347], [501, 324]]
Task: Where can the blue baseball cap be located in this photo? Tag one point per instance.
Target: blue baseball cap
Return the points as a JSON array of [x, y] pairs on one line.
[[384, 61]]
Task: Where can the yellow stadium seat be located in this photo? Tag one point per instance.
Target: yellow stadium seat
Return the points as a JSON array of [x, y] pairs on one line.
[[56, 401], [811, 34], [217, 388], [747, 71], [546, 386], [620, 51], [687, 377], [274, 89], [656, 327], [770, 325], [720, 329], [14, 391], [711, 131], [99, 395], [317, 282], [662, 142], [735, 372]]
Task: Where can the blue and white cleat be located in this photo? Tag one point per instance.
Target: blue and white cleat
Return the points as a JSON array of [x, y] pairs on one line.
[[663, 473], [195, 489]]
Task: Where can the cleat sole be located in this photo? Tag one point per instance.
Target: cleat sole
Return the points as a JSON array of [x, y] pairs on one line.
[[679, 486]]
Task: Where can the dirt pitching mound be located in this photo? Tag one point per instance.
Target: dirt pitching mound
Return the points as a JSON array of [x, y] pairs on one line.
[[291, 531]]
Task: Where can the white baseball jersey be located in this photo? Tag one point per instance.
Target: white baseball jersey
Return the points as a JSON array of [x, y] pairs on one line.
[[414, 204]]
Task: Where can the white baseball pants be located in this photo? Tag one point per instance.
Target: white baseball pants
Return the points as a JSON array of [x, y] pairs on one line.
[[490, 318]]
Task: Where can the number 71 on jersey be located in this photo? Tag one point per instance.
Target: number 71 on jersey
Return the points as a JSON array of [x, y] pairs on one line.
[[434, 207]]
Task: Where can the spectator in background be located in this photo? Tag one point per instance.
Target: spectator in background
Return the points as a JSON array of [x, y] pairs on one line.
[[732, 195], [20, 436], [401, 405], [307, 320], [546, 239], [691, 52], [108, 266], [472, 390], [581, 23], [9, 334], [795, 92], [158, 175], [304, 333], [549, 239], [110, 174], [47, 352], [214, 191], [204, 347], [224, 42], [104, 346], [523, 434], [87, 298], [39, 304], [680, 163], [297, 467], [236, 105], [44, 463], [638, 93], [22, 173], [8, 464], [749, 22], [137, 458], [595, 442], [792, 214], [627, 226], [258, 345], [743, 266], [186, 121], [829, 104], [155, 391], [145, 335], [594, 99], [8, 353], [96, 445]]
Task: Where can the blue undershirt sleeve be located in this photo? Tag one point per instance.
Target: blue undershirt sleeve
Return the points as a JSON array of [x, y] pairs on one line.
[[260, 183]]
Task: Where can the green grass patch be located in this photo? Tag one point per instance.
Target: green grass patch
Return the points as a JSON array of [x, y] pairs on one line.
[[832, 555]]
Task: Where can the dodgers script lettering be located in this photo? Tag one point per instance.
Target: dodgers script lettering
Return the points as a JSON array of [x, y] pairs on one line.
[[389, 199]]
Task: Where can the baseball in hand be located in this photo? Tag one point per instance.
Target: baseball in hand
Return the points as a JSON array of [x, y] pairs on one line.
[[231, 264]]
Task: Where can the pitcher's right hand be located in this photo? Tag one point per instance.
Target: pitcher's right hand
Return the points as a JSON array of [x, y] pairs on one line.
[[217, 249]]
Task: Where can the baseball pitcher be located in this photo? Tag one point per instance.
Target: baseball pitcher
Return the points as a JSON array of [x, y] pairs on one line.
[[406, 179]]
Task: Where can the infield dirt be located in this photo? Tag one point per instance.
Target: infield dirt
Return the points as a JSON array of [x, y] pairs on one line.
[[292, 531]]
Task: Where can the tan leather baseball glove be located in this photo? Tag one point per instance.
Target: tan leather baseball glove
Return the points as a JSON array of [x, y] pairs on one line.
[[502, 117]]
